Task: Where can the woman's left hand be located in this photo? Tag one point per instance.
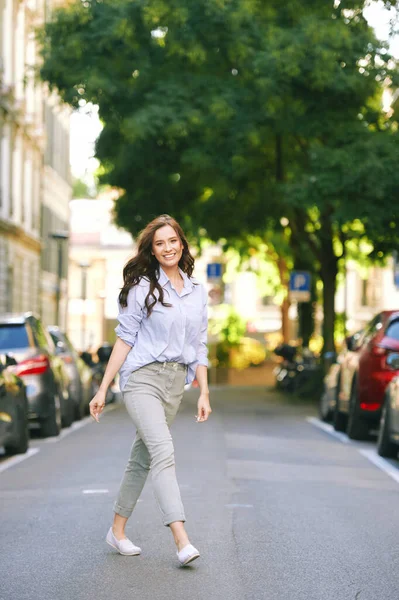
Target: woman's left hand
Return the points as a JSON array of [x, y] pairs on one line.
[[204, 408]]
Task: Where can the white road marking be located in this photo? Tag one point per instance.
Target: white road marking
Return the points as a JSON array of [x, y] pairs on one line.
[[78, 425], [381, 463], [239, 505], [104, 491], [14, 460], [342, 437]]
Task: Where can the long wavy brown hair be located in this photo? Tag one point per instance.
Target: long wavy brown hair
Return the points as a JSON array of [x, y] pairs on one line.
[[144, 263]]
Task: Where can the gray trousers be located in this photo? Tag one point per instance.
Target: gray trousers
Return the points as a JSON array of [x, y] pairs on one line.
[[152, 397]]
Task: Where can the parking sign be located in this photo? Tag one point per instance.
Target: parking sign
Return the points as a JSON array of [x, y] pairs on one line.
[[299, 286], [214, 271]]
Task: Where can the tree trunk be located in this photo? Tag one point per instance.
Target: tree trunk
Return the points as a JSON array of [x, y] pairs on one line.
[[281, 263], [329, 287], [285, 305], [285, 321], [328, 272], [305, 322], [306, 317]]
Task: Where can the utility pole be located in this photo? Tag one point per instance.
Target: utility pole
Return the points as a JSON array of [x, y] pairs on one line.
[[60, 237], [84, 265]]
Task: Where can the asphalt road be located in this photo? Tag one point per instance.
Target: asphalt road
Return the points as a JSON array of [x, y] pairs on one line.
[[280, 510]]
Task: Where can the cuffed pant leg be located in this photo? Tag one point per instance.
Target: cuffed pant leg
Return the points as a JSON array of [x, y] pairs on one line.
[[152, 399], [134, 478], [149, 417]]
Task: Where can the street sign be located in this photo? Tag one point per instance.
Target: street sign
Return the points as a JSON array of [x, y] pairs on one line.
[[299, 286], [214, 271]]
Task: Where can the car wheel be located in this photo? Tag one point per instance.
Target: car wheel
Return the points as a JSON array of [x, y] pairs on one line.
[[69, 412], [325, 412], [357, 428], [385, 447], [21, 446], [79, 410], [51, 425], [339, 419]]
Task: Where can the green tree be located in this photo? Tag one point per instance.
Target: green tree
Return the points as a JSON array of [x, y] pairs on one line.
[[232, 115], [80, 189]]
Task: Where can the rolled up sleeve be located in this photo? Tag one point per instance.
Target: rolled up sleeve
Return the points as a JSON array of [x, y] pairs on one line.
[[130, 317], [202, 355]]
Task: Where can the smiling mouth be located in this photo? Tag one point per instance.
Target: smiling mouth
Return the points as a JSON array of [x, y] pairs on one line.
[[169, 255]]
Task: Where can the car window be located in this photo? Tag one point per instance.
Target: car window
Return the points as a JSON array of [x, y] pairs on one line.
[[60, 338], [370, 330], [13, 337], [55, 338], [393, 330]]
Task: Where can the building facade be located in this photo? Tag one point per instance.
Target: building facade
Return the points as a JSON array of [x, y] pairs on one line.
[[21, 152], [34, 166], [98, 252], [55, 213]]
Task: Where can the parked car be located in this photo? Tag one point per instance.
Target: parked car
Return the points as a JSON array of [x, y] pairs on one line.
[[80, 375], [98, 369], [388, 434], [328, 398], [14, 433], [43, 372], [331, 382], [364, 375]]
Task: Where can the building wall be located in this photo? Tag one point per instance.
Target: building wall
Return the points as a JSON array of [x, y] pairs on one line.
[[98, 253], [55, 210], [21, 151], [34, 167], [366, 292]]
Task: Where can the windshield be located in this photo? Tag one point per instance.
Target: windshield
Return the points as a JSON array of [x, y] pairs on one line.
[[13, 337]]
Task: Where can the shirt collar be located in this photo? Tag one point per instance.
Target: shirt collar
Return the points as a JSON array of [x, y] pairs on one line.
[[163, 279]]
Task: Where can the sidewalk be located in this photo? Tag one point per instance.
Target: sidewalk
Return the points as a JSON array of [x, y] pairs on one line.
[[253, 376]]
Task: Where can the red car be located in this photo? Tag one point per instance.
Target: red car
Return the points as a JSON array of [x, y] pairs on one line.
[[365, 374]]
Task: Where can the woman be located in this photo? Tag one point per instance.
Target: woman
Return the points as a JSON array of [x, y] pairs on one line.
[[161, 344]]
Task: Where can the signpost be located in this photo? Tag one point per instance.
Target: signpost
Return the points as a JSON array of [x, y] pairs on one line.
[[215, 289], [300, 286]]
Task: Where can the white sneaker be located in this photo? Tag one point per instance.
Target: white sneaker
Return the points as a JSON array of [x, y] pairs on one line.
[[187, 555], [125, 546]]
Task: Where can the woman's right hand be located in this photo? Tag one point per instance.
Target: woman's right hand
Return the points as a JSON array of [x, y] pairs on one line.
[[97, 405]]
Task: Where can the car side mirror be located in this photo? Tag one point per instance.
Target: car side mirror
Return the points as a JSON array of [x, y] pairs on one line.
[[350, 343], [393, 361], [87, 358], [10, 361]]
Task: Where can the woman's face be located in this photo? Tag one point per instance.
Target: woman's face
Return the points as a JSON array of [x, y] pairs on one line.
[[167, 247]]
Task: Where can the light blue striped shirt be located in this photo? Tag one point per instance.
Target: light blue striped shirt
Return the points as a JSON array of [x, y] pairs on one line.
[[175, 334]]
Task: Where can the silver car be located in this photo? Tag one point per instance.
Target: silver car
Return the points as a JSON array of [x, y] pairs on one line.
[[80, 375], [42, 371]]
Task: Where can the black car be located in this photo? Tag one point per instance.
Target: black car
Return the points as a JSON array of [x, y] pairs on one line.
[[332, 380], [14, 433], [24, 337], [80, 375], [388, 435]]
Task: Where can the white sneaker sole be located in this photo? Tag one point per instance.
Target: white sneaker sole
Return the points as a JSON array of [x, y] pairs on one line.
[[123, 553], [189, 559]]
